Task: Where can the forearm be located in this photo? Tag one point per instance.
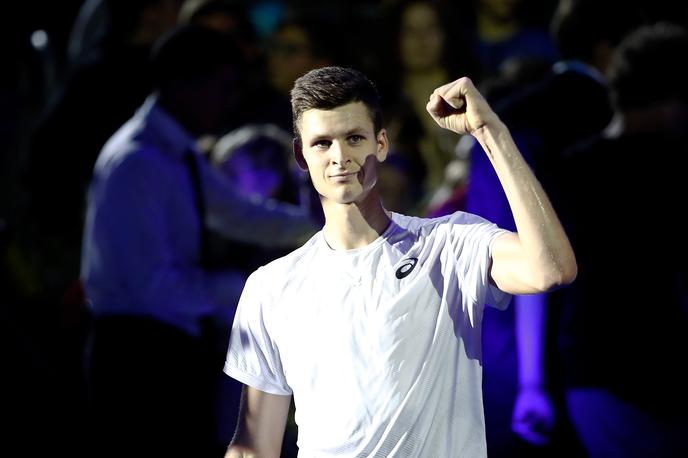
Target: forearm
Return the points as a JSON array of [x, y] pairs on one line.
[[262, 421], [268, 223], [531, 315], [551, 261]]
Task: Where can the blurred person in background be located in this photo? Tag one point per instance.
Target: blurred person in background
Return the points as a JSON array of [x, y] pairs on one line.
[[502, 32], [421, 60], [232, 17], [97, 90], [301, 42], [153, 361], [99, 93], [623, 336], [257, 159]]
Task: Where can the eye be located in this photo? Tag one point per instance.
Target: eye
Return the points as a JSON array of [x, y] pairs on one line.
[[321, 144], [356, 138]]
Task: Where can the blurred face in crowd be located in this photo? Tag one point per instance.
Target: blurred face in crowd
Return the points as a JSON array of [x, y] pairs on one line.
[[341, 151], [422, 38], [253, 170], [160, 17], [289, 56], [210, 102], [500, 10]]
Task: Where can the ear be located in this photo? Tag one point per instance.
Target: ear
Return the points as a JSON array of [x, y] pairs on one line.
[[382, 145], [298, 154]]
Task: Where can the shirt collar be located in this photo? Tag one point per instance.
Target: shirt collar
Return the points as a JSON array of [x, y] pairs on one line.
[[174, 138]]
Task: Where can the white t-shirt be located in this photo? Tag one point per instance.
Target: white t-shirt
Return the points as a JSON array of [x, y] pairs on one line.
[[380, 346]]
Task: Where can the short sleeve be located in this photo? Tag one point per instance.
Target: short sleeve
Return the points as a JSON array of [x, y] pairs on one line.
[[495, 297], [471, 238], [253, 356]]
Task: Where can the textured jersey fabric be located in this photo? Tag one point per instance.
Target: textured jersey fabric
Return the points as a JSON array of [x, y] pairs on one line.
[[380, 346]]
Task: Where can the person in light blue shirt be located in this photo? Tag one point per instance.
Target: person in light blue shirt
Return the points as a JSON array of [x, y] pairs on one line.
[[152, 200]]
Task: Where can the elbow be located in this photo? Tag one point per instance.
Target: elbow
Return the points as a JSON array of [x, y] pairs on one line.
[[561, 275], [568, 274], [569, 270], [573, 271]]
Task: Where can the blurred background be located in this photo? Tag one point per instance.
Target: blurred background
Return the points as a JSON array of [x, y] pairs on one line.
[[76, 70]]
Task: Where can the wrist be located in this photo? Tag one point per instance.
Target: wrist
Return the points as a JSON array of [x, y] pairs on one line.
[[492, 129], [493, 136]]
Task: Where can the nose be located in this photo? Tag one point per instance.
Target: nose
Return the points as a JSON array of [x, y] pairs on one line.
[[339, 154]]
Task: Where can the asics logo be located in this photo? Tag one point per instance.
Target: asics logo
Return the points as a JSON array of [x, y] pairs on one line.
[[406, 268]]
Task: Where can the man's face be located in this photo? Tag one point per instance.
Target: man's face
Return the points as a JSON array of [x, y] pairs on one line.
[[341, 151]]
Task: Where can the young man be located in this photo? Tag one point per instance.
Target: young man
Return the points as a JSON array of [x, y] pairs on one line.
[[374, 324]]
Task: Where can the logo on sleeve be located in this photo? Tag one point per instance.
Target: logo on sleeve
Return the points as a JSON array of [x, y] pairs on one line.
[[406, 267]]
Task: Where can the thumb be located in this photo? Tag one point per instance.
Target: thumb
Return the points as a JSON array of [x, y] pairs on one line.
[[439, 107], [455, 101]]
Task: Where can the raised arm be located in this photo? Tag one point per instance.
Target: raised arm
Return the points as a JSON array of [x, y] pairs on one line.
[[262, 419], [539, 257]]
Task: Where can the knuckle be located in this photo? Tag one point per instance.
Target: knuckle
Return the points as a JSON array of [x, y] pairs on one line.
[[465, 81]]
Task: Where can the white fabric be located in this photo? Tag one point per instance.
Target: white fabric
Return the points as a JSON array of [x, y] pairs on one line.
[[379, 366]]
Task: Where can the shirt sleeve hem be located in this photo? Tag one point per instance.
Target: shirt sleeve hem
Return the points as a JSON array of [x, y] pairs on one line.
[[255, 382], [495, 297]]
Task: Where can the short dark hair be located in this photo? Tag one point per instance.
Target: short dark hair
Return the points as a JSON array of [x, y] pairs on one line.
[[331, 87], [646, 67], [190, 54]]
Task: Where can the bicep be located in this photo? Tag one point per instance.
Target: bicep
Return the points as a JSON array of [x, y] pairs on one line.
[[262, 420], [510, 270]]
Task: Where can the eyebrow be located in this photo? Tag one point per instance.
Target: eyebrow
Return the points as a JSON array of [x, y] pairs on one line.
[[355, 131]]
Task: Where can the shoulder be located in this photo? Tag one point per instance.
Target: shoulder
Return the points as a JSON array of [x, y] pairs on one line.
[[283, 270], [129, 154], [425, 225], [416, 224]]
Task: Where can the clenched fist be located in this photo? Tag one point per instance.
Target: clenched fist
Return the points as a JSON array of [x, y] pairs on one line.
[[459, 107]]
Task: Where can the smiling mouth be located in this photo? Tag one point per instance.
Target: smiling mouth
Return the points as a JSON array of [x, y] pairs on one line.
[[344, 175]]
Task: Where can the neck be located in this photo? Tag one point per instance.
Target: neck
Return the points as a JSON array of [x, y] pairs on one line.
[[354, 225], [181, 113]]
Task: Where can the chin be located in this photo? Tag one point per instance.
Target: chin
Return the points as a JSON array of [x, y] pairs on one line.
[[340, 199], [347, 195], [344, 200], [352, 198]]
